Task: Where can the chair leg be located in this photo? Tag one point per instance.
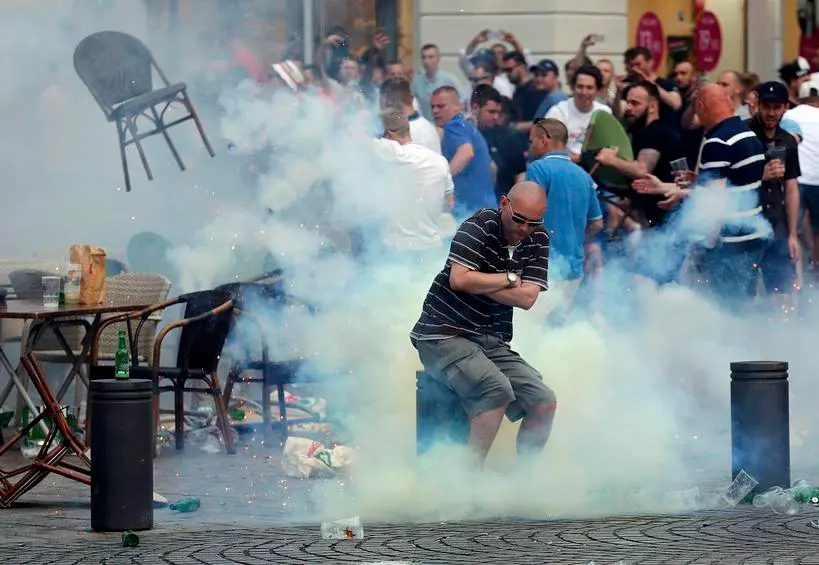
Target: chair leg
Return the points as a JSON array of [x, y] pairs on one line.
[[282, 412], [179, 413], [195, 116], [130, 122], [222, 419], [123, 157], [156, 422], [232, 377], [267, 415], [160, 125]]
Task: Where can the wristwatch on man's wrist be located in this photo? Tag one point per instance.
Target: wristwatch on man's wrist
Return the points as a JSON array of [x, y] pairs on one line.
[[512, 278]]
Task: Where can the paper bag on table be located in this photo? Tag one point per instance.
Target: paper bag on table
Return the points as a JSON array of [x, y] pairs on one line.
[[92, 282]]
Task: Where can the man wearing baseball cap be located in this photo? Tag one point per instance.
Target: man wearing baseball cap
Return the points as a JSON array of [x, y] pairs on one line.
[[793, 74], [547, 78], [779, 193]]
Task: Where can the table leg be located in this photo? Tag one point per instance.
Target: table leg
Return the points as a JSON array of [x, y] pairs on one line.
[[21, 390]]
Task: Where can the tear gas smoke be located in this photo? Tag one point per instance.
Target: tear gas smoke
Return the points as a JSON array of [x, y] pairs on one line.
[[632, 391]]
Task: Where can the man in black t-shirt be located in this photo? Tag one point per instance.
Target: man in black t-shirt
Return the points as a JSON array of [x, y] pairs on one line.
[[655, 146], [640, 67], [779, 193], [527, 97], [506, 145]]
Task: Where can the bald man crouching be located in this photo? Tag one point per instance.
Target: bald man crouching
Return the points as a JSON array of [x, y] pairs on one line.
[[498, 261]]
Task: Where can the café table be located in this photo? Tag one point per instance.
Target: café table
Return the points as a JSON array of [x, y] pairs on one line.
[[45, 319]]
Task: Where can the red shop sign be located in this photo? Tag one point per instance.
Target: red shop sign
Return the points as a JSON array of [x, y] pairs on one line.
[[650, 35], [707, 41]]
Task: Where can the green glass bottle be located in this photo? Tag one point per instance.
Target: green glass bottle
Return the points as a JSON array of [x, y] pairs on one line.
[[805, 493], [122, 368], [187, 504], [130, 539]]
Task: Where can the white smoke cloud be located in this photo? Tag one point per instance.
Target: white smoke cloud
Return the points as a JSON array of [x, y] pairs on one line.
[[629, 390]]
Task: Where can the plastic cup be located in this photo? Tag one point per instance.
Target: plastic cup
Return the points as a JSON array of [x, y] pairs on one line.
[[349, 528], [739, 489], [51, 292], [679, 165], [776, 152]]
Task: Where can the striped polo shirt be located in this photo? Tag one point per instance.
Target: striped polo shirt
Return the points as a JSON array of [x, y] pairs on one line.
[[479, 244], [731, 151]]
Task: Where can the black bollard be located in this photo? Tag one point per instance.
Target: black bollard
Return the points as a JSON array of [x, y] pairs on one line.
[[760, 420], [439, 414], [122, 463]]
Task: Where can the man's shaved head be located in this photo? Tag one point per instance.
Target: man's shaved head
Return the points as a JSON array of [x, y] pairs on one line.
[[713, 105], [525, 204], [528, 192]]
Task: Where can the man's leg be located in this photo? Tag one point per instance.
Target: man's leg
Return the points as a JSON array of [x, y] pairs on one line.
[[729, 269], [484, 391], [534, 401]]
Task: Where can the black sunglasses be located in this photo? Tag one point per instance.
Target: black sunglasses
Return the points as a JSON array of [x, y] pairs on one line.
[[521, 220], [538, 122], [518, 219]]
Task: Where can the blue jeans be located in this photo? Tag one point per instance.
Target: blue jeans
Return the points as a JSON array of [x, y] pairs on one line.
[[729, 269], [778, 271]]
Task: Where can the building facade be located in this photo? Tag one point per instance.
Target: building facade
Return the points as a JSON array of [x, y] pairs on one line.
[[780, 29]]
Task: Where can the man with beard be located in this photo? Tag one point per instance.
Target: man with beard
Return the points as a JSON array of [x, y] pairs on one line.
[[655, 146], [780, 189], [506, 145]]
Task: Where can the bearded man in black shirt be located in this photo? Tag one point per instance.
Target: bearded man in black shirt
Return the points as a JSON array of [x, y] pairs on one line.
[[655, 146]]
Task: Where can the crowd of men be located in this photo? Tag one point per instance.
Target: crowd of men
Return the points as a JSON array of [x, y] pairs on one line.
[[507, 157]]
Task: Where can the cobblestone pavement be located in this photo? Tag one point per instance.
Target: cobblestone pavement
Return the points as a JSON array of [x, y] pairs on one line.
[[243, 520]]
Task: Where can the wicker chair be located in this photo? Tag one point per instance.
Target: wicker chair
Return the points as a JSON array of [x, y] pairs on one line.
[[133, 289], [118, 70]]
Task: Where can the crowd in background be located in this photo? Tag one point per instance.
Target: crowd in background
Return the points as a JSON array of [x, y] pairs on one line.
[[487, 122]]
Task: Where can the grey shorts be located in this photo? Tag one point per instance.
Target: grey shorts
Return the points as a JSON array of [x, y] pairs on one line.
[[485, 374]]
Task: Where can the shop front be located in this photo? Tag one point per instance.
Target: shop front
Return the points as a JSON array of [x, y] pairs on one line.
[[710, 34], [278, 25]]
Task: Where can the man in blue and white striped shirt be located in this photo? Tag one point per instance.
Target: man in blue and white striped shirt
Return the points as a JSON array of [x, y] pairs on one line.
[[732, 159]]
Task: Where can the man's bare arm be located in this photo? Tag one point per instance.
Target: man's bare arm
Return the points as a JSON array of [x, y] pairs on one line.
[[593, 228], [670, 98], [523, 296], [462, 158], [792, 206]]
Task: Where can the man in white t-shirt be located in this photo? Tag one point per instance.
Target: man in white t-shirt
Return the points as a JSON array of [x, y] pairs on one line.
[[806, 115], [421, 190], [575, 113], [396, 93]]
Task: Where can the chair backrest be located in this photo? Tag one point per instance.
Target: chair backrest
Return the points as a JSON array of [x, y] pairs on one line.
[[133, 289], [28, 283], [114, 267], [7, 266], [114, 66], [200, 344]]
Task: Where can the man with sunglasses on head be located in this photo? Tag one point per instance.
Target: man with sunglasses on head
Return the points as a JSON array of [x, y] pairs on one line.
[[528, 96], [498, 261], [573, 217]]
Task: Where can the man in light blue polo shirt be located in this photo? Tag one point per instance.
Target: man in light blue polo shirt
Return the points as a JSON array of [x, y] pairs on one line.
[[573, 215], [470, 162]]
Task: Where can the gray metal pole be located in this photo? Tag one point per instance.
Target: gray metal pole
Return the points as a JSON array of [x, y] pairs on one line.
[[307, 31]]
